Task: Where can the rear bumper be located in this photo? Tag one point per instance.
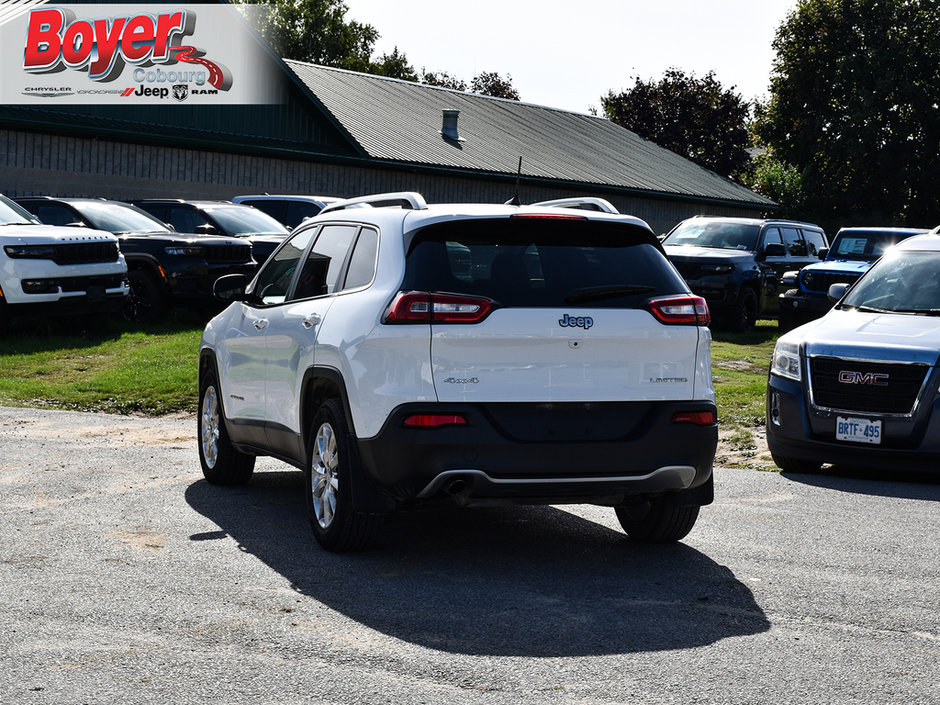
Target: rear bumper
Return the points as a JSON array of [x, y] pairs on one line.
[[602, 453]]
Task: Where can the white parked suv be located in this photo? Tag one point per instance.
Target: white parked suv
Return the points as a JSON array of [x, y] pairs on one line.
[[50, 270], [475, 354]]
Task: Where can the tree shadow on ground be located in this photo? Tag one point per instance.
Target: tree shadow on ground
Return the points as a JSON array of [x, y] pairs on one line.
[[516, 581]]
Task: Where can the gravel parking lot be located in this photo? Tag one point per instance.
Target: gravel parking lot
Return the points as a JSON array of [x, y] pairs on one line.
[[126, 578]]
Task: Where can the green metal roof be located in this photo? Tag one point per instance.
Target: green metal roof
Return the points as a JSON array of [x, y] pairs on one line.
[[400, 121]]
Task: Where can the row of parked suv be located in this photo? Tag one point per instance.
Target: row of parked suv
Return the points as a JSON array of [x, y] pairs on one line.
[[148, 256]]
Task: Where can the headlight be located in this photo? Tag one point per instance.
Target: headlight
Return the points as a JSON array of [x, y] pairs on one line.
[[717, 268], [30, 251], [786, 360], [807, 278], [187, 250]]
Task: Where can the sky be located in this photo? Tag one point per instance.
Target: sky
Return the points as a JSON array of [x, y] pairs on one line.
[[569, 54]]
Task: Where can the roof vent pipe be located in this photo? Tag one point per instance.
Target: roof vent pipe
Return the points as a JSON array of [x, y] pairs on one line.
[[449, 130]]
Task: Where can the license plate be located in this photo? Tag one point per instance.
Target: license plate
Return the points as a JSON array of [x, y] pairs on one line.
[[849, 428]]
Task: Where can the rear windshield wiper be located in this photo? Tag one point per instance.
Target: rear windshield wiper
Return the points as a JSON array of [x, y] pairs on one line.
[[596, 293]]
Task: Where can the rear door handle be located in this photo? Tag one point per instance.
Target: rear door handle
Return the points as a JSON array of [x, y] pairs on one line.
[[261, 324], [311, 320]]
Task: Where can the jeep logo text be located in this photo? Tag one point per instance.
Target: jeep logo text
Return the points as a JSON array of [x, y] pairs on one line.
[[576, 321]]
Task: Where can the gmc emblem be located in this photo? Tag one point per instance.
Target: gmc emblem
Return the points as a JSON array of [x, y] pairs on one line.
[[878, 379]]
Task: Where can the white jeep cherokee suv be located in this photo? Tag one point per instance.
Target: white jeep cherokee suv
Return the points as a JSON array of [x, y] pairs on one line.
[[45, 269], [476, 354]]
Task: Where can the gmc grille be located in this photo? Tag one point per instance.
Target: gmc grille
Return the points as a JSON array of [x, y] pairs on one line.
[[819, 282], [896, 396], [85, 253], [227, 253]]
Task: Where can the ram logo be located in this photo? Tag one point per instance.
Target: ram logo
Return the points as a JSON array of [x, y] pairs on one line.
[[877, 379]]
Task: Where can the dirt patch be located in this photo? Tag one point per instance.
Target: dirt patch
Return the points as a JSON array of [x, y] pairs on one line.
[[743, 448]]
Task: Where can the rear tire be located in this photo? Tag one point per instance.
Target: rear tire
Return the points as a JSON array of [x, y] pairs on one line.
[[788, 464], [659, 520], [331, 463], [221, 463]]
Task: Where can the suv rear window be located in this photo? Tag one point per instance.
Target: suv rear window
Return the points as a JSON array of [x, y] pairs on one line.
[[542, 263]]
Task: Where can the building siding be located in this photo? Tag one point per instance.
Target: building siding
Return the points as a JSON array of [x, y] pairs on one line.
[[34, 164]]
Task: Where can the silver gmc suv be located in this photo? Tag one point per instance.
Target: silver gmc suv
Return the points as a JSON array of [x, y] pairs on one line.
[[403, 354]]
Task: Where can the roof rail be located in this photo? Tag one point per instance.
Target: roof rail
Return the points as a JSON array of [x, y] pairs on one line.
[[589, 203], [405, 199]]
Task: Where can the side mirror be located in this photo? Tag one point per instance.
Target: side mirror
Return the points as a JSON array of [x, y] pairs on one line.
[[823, 252], [774, 249], [207, 229], [789, 279], [837, 291], [230, 288]]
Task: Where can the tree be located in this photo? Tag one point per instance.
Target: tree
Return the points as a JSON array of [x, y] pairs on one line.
[[394, 65], [486, 83], [853, 107], [317, 31], [694, 117], [442, 79], [492, 84]]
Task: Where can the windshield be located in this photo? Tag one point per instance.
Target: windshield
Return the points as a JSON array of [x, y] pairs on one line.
[[901, 282], [242, 220], [865, 245], [13, 214], [722, 236], [118, 217]]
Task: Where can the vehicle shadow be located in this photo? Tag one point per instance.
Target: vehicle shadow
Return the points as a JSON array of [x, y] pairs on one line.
[[874, 482], [516, 581]]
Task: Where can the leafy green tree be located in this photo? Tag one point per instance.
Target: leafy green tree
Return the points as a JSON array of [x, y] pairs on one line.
[[695, 117], [492, 84], [854, 108], [487, 83], [778, 181], [394, 65], [317, 31]]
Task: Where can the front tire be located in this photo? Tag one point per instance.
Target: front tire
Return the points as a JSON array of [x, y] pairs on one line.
[[331, 463], [659, 520], [744, 314], [221, 463], [146, 302]]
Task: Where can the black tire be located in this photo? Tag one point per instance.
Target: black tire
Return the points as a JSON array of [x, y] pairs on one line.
[[331, 463], [744, 314], [788, 464], [4, 319], [221, 463], [660, 520], [147, 301]]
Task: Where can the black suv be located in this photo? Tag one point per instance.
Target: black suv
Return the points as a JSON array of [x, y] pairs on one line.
[[220, 218], [165, 268], [736, 264]]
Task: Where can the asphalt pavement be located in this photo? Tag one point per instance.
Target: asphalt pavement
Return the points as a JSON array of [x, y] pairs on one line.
[[125, 578]]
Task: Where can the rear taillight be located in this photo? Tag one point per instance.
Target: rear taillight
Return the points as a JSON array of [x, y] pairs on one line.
[[699, 418], [684, 310], [427, 307], [434, 420]]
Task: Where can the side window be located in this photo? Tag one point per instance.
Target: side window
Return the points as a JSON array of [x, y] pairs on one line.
[[158, 211], [297, 211], [815, 241], [274, 280], [793, 242], [185, 220], [275, 209], [772, 236], [51, 214], [362, 262], [323, 266]]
